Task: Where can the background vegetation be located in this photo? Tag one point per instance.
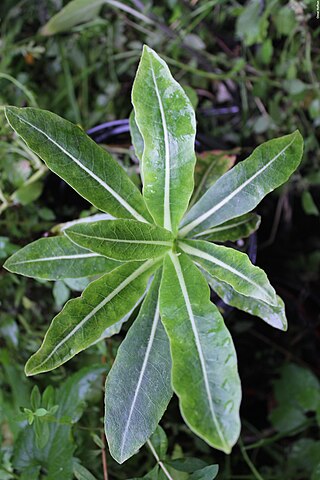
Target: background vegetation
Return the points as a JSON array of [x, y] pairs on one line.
[[252, 70]]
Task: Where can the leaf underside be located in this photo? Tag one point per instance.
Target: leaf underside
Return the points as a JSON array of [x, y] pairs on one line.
[[138, 387], [232, 267], [273, 315]]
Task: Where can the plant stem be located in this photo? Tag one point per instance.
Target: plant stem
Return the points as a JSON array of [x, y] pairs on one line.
[[248, 461], [156, 456]]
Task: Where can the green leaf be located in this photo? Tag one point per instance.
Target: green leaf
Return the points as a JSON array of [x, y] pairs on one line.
[[159, 438], [252, 24], [273, 315], [72, 155], [35, 398], [116, 327], [244, 186], [57, 257], [297, 386], [61, 294], [82, 473], [83, 320], [207, 473], [136, 137], [56, 457], [240, 227], [138, 387], [124, 240], [187, 464], [80, 11], [308, 204], [204, 371], [232, 267], [28, 193], [166, 121], [75, 12]]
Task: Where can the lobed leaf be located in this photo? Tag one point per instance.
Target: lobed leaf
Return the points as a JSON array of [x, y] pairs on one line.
[[240, 227], [126, 240], [138, 387], [72, 155], [232, 267], [273, 315], [204, 363], [83, 320], [244, 186], [57, 257], [166, 121]]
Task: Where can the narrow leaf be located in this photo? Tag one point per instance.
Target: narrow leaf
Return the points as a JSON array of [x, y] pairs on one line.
[[57, 257], [244, 186], [166, 121], [232, 267], [273, 315], [240, 227], [138, 387], [83, 320], [72, 155], [204, 371], [124, 240]]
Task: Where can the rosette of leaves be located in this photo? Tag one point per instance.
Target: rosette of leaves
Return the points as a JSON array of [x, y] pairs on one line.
[[179, 342]]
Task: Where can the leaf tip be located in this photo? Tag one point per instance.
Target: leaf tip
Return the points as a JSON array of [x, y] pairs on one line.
[[6, 264], [29, 372]]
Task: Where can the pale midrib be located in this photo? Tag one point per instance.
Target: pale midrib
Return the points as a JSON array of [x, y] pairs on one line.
[[166, 206], [185, 294], [220, 229], [115, 292], [206, 256], [185, 230], [140, 379], [122, 202], [118, 240], [62, 257]]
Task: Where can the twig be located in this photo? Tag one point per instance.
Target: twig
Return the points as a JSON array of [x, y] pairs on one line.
[[156, 456], [248, 462]]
